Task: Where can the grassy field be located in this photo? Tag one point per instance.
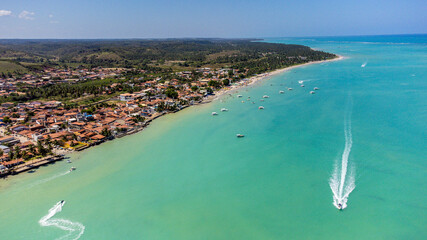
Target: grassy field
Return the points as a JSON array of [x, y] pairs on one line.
[[6, 66]]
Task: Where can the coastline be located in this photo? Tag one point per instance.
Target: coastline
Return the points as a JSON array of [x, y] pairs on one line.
[[222, 92], [252, 80]]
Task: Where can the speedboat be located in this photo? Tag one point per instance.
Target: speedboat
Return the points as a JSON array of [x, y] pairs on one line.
[[300, 82], [72, 169], [339, 206], [265, 96], [290, 89], [316, 88], [214, 113], [312, 92], [224, 109], [281, 91], [68, 161], [260, 107], [240, 135], [62, 202], [302, 85], [239, 96]]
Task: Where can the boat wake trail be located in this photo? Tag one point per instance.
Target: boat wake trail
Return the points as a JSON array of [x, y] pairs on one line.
[[75, 229], [342, 181], [48, 179]]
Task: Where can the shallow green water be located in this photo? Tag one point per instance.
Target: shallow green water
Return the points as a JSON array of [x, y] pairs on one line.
[[188, 177]]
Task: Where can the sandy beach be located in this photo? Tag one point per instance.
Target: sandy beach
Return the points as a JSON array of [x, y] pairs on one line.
[[252, 80]]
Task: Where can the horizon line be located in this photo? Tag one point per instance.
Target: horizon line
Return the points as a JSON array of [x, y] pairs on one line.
[[213, 38]]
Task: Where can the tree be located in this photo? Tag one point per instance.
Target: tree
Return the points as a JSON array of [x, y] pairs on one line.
[[214, 84], [6, 119], [1, 152], [138, 119], [41, 149], [226, 82], [171, 93], [17, 152]]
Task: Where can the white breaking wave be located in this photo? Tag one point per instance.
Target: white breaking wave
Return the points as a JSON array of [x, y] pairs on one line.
[[342, 181], [364, 64], [75, 229]]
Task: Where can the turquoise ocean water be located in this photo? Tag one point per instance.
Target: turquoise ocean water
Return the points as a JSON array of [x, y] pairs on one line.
[[187, 176]]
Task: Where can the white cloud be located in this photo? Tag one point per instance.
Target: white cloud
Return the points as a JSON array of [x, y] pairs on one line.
[[26, 15], [5, 13]]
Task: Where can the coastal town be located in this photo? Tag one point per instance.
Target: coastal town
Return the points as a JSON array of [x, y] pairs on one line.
[[36, 131], [56, 98]]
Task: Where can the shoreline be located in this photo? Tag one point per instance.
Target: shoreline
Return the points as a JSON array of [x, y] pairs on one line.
[[222, 92], [259, 77]]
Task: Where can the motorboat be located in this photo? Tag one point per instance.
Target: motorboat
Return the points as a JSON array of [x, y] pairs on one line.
[[339, 206], [302, 85], [68, 161], [262, 100], [312, 92], [289, 89], [72, 169], [239, 96], [62, 202], [300, 82], [265, 96], [214, 113], [260, 107], [224, 110], [281, 92], [316, 88], [240, 135]]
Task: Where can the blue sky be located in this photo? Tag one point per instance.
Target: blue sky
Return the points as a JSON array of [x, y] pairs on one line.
[[221, 18]]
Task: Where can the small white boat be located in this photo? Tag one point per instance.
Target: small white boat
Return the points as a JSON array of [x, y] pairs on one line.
[[68, 161], [214, 113], [289, 89], [72, 169], [312, 92], [240, 135], [265, 96], [300, 82], [281, 92], [339, 206], [302, 85], [239, 96], [316, 88], [224, 110], [260, 107]]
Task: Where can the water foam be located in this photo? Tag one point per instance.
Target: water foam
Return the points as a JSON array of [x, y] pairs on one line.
[[364, 64], [49, 179], [341, 182], [75, 229]]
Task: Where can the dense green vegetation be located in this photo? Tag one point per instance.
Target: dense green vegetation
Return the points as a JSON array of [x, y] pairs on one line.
[[143, 53], [159, 59]]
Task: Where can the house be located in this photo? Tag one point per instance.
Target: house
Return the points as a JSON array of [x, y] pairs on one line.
[[127, 97], [8, 140], [4, 148]]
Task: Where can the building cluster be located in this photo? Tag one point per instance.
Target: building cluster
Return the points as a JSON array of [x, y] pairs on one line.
[[9, 83], [27, 130]]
